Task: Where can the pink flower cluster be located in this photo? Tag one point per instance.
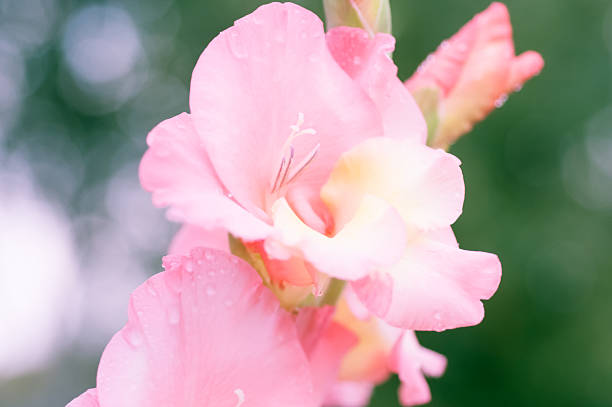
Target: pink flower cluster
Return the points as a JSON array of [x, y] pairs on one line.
[[306, 150]]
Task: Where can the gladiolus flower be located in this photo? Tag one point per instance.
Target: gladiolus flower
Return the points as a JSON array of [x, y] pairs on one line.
[[436, 285], [381, 350], [274, 104], [384, 200], [204, 332], [470, 74]]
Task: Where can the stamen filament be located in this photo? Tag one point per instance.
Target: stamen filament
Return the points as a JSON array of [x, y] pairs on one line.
[[307, 160]]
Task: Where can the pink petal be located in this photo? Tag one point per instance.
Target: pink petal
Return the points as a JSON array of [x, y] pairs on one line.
[[205, 332], [87, 399], [252, 83], [411, 361], [373, 238], [350, 394], [524, 67], [367, 61], [424, 185], [434, 287], [177, 170], [190, 237], [325, 343]]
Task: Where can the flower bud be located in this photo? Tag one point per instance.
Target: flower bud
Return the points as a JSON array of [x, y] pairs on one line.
[[471, 74]]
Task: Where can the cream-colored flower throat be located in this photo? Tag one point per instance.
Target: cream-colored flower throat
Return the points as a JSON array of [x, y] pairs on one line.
[[326, 291]]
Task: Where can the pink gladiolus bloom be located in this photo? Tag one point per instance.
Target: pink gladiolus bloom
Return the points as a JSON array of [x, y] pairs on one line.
[[436, 285], [204, 333], [473, 72], [366, 201], [381, 349], [274, 103]]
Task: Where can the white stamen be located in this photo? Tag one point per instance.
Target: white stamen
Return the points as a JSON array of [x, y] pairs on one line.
[[278, 174], [240, 394], [282, 176], [307, 160]]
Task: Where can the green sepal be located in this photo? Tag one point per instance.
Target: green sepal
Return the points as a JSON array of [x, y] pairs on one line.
[[374, 16], [428, 99]]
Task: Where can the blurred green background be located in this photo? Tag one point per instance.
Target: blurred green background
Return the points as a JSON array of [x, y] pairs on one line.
[[538, 172]]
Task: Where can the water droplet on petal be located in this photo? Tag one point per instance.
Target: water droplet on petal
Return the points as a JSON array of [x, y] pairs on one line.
[[209, 256], [357, 60], [189, 266], [151, 289], [228, 303], [174, 315], [236, 45], [501, 100], [211, 273], [210, 291], [132, 336]]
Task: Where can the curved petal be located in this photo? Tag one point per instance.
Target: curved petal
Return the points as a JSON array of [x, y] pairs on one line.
[[424, 185], [350, 394], [367, 60], [367, 360], [325, 343], [87, 399], [272, 70], [434, 287], [177, 171], [373, 238], [412, 361], [189, 237], [523, 68], [205, 332]]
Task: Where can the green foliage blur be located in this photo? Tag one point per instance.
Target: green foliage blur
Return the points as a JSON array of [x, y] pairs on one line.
[[538, 176]]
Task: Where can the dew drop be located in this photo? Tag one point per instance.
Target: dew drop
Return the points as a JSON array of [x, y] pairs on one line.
[[279, 37], [501, 100], [133, 337], [209, 256], [162, 152], [357, 60], [174, 316], [211, 273], [236, 45], [228, 303], [151, 290], [210, 291], [189, 266], [313, 57]]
